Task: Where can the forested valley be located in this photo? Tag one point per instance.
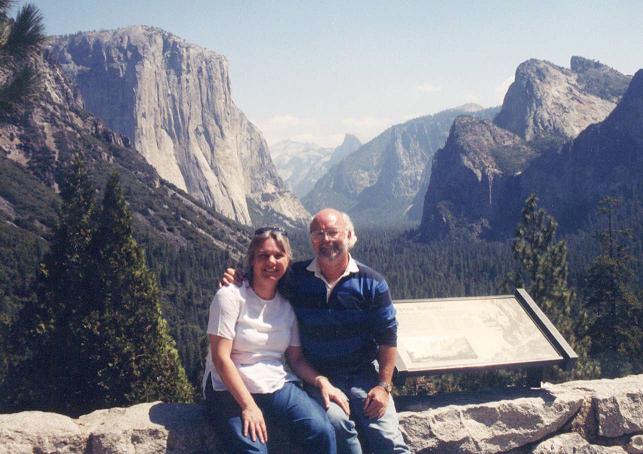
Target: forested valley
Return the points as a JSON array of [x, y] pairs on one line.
[[609, 250]]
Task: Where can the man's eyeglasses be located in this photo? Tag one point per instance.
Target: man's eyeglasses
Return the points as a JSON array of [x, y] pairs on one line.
[[263, 230], [318, 235]]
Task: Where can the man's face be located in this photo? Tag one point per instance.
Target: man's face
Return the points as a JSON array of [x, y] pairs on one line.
[[328, 236]]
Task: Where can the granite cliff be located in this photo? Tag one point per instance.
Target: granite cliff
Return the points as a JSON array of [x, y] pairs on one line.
[[469, 176], [179, 232], [39, 142], [605, 159], [377, 184], [547, 101], [485, 171], [173, 100]]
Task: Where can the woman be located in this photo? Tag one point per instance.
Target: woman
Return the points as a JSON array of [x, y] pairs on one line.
[[250, 328]]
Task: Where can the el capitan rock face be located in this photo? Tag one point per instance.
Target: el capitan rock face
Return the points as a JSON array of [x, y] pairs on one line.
[[480, 181], [173, 100], [40, 141]]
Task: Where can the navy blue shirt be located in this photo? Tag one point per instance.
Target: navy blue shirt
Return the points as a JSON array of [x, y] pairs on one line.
[[342, 334]]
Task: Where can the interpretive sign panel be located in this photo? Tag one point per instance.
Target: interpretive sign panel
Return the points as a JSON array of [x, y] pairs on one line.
[[458, 334]]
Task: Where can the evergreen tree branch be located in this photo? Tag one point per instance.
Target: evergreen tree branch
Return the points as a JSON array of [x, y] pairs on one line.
[[27, 33], [19, 90]]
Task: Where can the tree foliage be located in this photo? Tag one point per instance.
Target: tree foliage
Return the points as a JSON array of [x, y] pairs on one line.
[[138, 360], [614, 308], [20, 38], [94, 336], [43, 335], [543, 271]]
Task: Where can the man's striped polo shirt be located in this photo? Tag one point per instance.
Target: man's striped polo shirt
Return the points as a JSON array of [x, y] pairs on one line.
[[341, 334]]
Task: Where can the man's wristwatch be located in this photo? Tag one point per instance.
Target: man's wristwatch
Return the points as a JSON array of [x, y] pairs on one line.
[[386, 385]]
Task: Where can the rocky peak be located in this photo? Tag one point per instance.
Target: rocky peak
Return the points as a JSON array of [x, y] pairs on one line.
[[547, 101], [599, 79], [173, 100], [348, 146], [467, 176], [379, 182], [484, 173], [300, 164]]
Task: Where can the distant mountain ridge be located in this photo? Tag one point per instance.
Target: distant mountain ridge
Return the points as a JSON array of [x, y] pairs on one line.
[[173, 100], [486, 170], [300, 165], [378, 183]]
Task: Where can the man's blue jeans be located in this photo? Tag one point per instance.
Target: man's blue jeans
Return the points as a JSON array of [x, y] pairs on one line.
[[381, 435], [289, 408]]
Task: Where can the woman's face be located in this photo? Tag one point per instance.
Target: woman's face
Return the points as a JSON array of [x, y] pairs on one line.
[[269, 262]]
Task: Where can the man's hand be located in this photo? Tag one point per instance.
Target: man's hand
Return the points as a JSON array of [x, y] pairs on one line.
[[254, 425], [231, 276], [331, 394], [376, 402]]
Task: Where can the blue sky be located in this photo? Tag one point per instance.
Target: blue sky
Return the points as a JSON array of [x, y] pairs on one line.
[[313, 70]]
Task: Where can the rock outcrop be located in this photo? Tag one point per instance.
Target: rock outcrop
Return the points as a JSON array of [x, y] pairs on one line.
[[548, 101], [470, 175], [480, 183], [43, 137], [602, 416], [378, 183], [37, 146], [605, 159], [173, 100], [300, 165]]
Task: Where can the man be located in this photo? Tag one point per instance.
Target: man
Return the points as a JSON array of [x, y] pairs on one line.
[[347, 321]]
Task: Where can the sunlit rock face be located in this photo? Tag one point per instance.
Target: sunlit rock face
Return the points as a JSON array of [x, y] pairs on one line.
[[571, 136], [173, 100], [548, 101]]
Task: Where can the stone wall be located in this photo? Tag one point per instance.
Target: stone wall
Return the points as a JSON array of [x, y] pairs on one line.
[[601, 416]]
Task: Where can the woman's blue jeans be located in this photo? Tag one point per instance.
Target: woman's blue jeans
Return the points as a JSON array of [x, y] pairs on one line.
[[290, 409]]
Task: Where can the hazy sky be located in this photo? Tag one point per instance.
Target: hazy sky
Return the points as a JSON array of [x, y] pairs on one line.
[[313, 70]]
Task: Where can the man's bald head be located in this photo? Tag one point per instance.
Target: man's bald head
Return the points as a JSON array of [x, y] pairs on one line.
[[330, 218]]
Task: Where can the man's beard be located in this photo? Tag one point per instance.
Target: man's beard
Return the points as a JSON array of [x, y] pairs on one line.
[[332, 251]]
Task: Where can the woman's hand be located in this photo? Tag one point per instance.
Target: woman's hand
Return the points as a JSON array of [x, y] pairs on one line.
[[254, 426]]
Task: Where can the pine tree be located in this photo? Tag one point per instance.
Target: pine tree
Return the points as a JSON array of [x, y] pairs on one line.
[[543, 271], [20, 38], [95, 336], [615, 311], [132, 357], [43, 337]]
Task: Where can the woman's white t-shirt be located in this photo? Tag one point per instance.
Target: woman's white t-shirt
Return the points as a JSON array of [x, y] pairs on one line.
[[260, 330]]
